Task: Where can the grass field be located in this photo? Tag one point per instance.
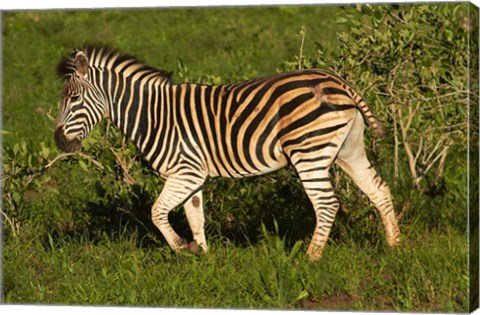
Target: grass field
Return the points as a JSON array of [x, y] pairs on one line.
[[117, 271], [81, 240]]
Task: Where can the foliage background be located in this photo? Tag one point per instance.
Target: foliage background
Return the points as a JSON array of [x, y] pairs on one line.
[[77, 229]]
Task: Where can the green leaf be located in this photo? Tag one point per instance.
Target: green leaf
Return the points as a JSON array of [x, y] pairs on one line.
[[45, 152], [50, 241], [16, 149], [23, 147], [83, 165], [448, 35], [378, 14], [303, 295]]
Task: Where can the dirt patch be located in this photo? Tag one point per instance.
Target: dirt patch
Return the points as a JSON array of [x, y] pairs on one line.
[[348, 302], [341, 301], [31, 195]]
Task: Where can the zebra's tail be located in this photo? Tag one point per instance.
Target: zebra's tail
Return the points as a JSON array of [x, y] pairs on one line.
[[372, 121]]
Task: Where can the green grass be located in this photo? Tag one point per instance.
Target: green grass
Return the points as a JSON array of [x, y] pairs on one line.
[[350, 277]]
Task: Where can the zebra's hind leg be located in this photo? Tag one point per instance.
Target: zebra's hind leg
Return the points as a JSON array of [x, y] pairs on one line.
[[312, 160], [313, 169], [352, 158], [367, 179], [325, 204], [176, 190], [196, 220]]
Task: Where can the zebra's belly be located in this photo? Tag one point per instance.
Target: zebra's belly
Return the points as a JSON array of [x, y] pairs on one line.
[[239, 164], [271, 168]]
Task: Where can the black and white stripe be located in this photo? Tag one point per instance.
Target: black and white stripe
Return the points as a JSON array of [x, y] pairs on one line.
[[188, 132]]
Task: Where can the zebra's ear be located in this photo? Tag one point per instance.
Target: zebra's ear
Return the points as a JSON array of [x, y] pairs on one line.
[[81, 63]]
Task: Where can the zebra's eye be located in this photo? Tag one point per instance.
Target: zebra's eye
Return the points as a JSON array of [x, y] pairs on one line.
[[74, 98]]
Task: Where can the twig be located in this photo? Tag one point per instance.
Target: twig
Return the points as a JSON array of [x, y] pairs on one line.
[[396, 142], [369, 86], [4, 178], [419, 150], [126, 168], [429, 157], [397, 18], [14, 226], [441, 166], [300, 57], [80, 154], [395, 147], [440, 155], [406, 144], [58, 157], [10, 222]]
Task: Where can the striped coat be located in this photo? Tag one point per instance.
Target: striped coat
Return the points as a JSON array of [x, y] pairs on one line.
[[188, 132]]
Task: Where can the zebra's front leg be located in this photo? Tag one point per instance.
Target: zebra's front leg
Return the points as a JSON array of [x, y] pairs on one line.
[[176, 190], [196, 220]]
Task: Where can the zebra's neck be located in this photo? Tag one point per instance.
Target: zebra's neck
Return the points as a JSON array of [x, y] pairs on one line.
[[141, 108]]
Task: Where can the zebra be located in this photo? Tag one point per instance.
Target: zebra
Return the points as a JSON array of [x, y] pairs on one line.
[[189, 132]]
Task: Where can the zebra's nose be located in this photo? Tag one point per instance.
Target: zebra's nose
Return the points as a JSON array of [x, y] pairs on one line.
[[63, 143]]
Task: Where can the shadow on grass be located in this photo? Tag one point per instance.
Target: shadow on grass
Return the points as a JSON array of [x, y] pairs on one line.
[[229, 216], [235, 210]]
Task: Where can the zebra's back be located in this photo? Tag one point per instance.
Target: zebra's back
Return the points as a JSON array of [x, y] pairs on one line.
[[254, 127]]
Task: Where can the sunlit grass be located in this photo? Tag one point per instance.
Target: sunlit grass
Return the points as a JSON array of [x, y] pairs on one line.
[[416, 277]]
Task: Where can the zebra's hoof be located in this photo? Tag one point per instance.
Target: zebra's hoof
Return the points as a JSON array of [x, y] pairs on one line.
[[314, 253], [394, 242], [192, 248]]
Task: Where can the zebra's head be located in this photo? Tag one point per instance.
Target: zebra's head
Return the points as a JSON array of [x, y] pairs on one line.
[[82, 104]]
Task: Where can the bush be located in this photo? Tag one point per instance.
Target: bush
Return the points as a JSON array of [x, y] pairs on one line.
[[411, 63]]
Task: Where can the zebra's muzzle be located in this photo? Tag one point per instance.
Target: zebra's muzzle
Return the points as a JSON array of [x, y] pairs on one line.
[[64, 144]]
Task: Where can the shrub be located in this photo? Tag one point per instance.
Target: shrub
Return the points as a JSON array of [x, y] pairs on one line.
[[411, 63]]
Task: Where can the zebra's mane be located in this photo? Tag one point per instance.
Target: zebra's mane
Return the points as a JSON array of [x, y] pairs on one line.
[[98, 55]]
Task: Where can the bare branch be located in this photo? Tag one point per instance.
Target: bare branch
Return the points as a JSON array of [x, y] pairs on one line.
[[429, 157], [14, 224], [395, 147], [125, 167], [80, 154], [419, 150], [4, 178], [443, 152], [441, 166]]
